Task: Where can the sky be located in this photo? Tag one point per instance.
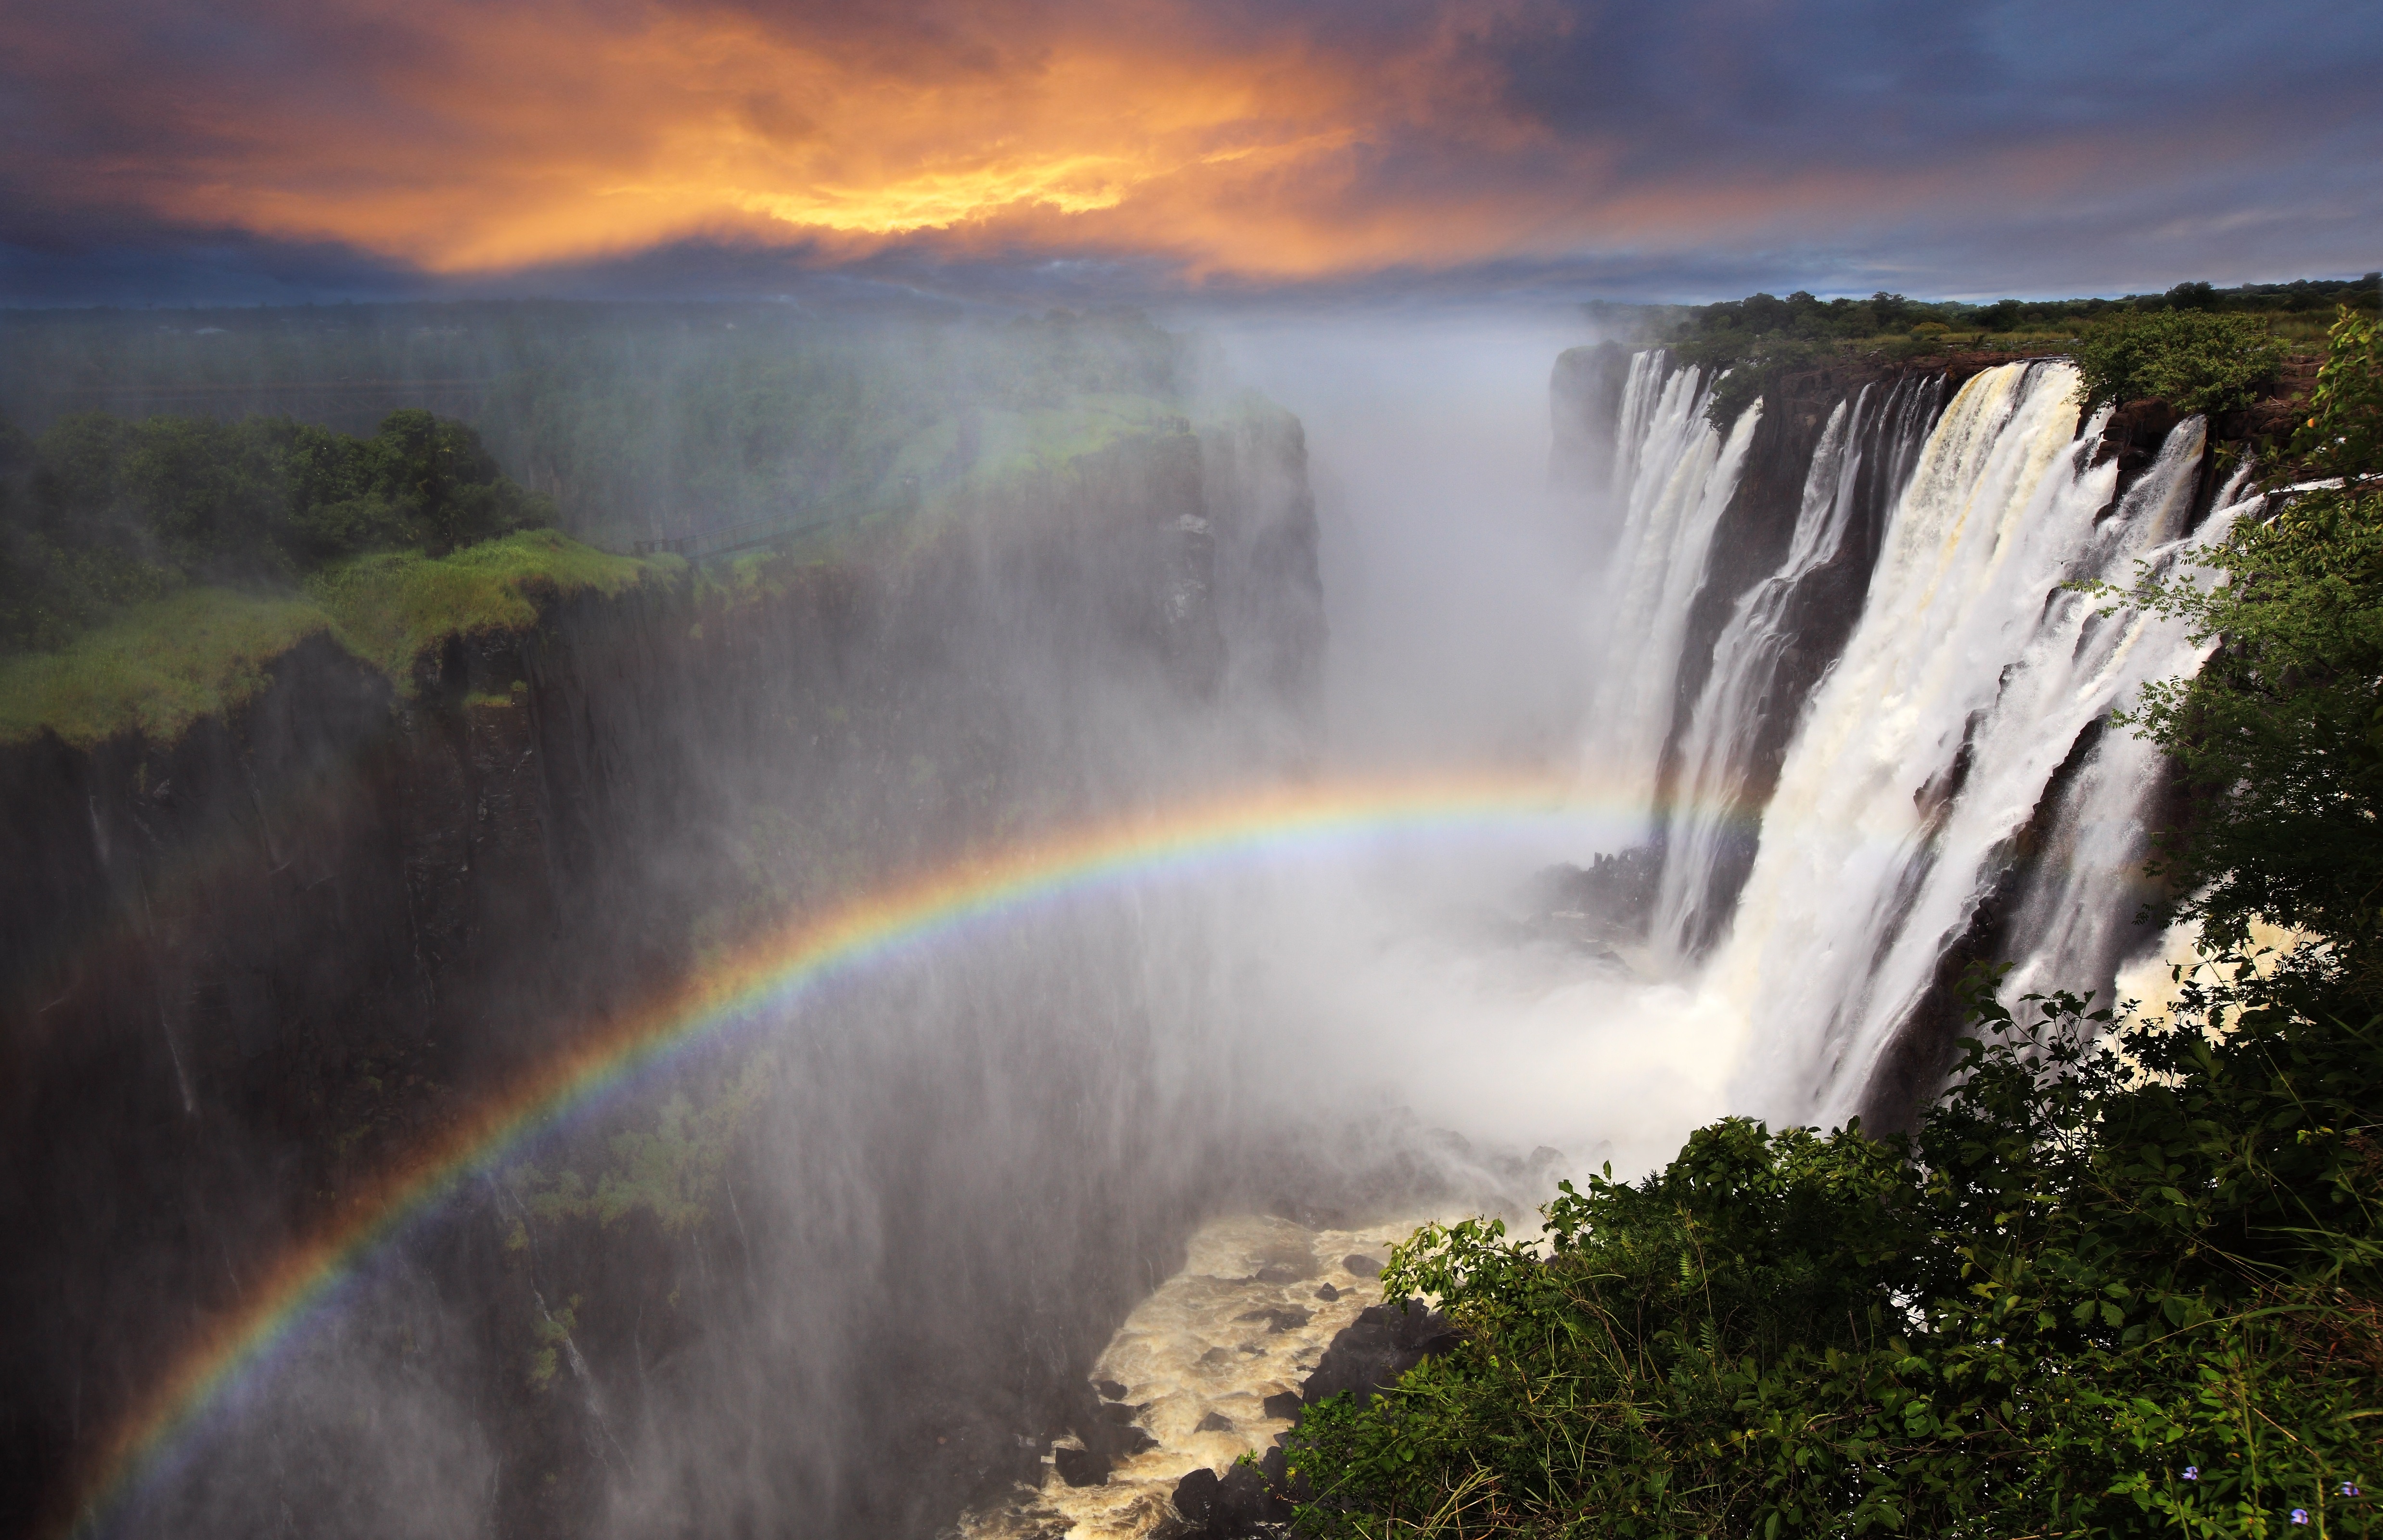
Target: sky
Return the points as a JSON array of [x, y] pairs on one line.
[[1149, 151]]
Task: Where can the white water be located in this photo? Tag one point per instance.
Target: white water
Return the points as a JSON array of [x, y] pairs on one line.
[[2080, 911], [1199, 1358], [1673, 475], [1711, 777], [1933, 739], [1968, 653]]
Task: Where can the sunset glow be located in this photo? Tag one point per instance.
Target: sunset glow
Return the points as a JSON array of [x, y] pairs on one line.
[[1200, 144]]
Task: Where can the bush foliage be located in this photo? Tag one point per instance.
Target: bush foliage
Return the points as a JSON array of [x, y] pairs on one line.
[[2121, 1286], [100, 514], [2279, 736], [2202, 362], [2201, 346]]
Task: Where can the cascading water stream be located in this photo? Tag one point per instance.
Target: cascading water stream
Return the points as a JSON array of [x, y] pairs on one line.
[[1717, 787], [1674, 476], [1931, 742], [1709, 789], [2080, 908]]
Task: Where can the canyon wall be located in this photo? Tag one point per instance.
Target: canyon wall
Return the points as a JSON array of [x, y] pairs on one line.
[[246, 968]]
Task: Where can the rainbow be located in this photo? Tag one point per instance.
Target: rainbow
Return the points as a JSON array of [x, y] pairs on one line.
[[756, 982]]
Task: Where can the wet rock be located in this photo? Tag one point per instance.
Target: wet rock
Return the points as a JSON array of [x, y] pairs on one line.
[[1080, 1467], [1361, 1266], [1608, 900], [1195, 1497], [1246, 1500], [1384, 1342], [1286, 1405], [1279, 1318], [1327, 1293], [1109, 1389], [1117, 1443], [1214, 1422]]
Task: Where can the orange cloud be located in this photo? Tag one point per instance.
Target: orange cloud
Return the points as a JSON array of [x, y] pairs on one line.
[[537, 135], [463, 137]]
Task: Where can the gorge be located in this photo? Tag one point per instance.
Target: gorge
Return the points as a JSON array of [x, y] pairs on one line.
[[856, 1267]]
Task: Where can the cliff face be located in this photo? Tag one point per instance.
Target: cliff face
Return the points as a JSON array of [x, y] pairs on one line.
[[1807, 622], [240, 971]]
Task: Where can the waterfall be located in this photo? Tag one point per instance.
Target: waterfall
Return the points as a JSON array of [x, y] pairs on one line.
[[1719, 781], [1931, 745], [1672, 477], [2079, 909]]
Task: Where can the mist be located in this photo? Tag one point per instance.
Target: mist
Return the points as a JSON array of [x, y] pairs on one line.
[[857, 1261], [1456, 574]]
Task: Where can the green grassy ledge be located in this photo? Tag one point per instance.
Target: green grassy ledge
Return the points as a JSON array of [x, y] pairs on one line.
[[157, 670], [207, 650], [392, 607]]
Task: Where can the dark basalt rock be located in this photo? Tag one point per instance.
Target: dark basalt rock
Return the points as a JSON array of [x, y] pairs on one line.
[[1245, 1501], [1608, 900], [1361, 1266], [1278, 1319], [1214, 1422], [1369, 1354], [1327, 1292], [1080, 1467], [1106, 1429]]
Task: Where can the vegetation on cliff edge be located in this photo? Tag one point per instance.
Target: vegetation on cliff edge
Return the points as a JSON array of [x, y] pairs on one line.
[[2227, 337]]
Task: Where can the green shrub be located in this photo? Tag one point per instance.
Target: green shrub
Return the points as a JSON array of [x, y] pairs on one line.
[[2279, 735], [2125, 1288], [2344, 432], [100, 513], [2195, 360]]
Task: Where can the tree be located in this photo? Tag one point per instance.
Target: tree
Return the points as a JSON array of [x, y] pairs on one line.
[[2279, 736], [2114, 1288], [2195, 360]]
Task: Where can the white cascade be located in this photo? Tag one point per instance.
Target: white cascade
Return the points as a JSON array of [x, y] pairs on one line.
[[2079, 913], [1707, 802], [1932, 741], [1673, 476]]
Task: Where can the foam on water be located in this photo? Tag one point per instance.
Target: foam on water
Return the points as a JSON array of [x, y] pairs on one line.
[[1241, 1322]]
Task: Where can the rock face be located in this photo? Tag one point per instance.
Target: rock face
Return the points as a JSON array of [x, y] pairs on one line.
[[1368, 1356], [241, 972], [1777, 631]]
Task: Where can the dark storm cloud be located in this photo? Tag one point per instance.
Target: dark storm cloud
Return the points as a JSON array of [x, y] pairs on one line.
[[1152, 149]]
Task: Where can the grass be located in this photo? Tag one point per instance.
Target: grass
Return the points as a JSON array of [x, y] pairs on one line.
[[161, 666], [391, 609], [157, 670]]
